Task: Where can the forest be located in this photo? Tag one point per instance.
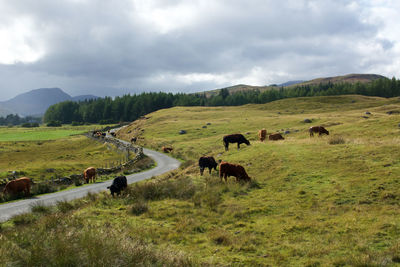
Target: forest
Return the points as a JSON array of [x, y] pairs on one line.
[[130, 107]]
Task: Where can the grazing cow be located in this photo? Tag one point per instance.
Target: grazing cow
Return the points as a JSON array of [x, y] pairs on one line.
[[262, 134], [103, 134], [166, 149], [113, 134], [234, 138], [227, 169], [118, 185], [318, 129], [207, 162], [89, 175], [276, 136], [133, 139], [19, 185]]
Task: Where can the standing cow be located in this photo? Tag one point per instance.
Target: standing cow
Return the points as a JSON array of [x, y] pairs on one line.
[[262, 134], [234, 138], [275, 137], [227, 169], [318, 129], [207, 162], [89, 175], [118, 184], [19, 185]]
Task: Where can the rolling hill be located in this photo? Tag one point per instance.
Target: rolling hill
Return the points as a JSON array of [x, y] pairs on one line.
[[36, 102], [350, 78]]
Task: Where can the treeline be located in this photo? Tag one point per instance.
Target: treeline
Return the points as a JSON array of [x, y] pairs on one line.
[[12, 119], [131, 107]]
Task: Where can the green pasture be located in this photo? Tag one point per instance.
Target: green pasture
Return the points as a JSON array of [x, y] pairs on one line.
[[322, 201], [42, 133]]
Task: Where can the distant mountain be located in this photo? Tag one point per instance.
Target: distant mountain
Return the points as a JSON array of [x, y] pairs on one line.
[[37, 101], [350, 78], [290, 83]]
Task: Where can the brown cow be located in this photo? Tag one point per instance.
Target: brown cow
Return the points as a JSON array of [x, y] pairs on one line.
[[275, 136], [19, 185], [166, 149], [227, 169], [89, 175], [262, 134], [318, 129]]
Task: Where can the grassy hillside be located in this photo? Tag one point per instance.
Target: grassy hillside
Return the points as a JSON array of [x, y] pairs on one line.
[[349, 78], [329, 201]]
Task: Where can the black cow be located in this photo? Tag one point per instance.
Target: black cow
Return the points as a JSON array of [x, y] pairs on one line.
[[235, 138], [133, 139], [207, 162], [118, 184]]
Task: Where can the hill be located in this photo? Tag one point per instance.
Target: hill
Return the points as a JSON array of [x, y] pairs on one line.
[[350, 78], [36, 102]]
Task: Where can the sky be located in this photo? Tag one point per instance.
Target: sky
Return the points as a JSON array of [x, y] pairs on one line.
[[109, 48]]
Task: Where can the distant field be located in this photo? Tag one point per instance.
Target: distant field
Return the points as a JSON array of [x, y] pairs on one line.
[[46, 152], [41, 133], [322, 201]]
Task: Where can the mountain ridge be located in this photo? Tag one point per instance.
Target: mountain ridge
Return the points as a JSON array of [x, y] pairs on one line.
[[36, 101]]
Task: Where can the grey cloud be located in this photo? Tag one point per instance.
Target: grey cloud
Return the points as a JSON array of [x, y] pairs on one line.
[[99, 47]]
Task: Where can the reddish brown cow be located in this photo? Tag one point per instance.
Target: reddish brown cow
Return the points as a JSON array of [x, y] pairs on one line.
[[275, 136], [166, 149], [89, 175], [318, 129], [19, 185], [227, 169], [262, 134]]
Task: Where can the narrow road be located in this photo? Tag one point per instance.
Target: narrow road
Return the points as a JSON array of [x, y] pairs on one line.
[[164, 164]]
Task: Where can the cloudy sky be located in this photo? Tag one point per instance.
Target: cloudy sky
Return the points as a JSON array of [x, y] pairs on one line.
[[112, 48]]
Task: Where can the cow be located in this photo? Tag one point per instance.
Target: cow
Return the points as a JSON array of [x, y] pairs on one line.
[[19, 185], [113, 134], [207, 162], [317, 129], [89, 175], [166, 149], [133, 139], [275, 137], [234, 138], [119, 183], [227, 169], [262, 134]]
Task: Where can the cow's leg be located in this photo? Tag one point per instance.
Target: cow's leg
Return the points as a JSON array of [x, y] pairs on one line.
[[201, 170], [209, 168], [226, 146], [238, 145], [226, 177]]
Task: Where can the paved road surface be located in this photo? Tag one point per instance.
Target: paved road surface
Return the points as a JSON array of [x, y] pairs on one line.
[[164, 164]]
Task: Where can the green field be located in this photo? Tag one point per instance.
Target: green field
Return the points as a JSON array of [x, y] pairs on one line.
[[42, 133], [322, 201]]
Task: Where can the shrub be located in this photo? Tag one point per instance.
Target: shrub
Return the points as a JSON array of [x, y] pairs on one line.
[[30, 125], [65, 206], [77, 123], [336, 140], [39, 207], [24, 219], [139, 207], [54, 124], [43, 188]]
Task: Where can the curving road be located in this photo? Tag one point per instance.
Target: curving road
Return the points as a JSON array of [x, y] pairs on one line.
[[164, 164]]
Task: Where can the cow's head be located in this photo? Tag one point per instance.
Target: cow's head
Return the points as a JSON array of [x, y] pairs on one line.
[[247, 142]]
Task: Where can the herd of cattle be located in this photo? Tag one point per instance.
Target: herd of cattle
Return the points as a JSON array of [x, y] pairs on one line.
[[226, 169]]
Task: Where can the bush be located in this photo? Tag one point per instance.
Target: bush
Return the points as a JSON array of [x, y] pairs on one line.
[[77, 123], [39, 207], [336, 140], [139, 207], [54, 124], [30, 125], [43, 188], [24, 219], [65, 206]]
